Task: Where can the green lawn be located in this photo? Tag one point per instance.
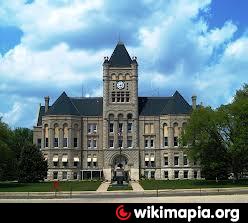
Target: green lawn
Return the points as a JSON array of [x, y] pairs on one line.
[[116, 188], [189, 184], [48, 186]]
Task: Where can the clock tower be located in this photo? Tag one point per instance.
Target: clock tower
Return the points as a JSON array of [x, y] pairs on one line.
[[120, 113]]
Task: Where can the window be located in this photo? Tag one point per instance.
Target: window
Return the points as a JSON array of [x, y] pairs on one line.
[[111, 127], [185, 174], [122, 97], [129, 127], [65, 142], [64, 175], [176, 158], [65, 164], [175, 141], [129, 143], [89, 143], [89, 161], [146, 143], [166, 174], [120, 142], [39, 143], [94, 161], [94, 143], [146, 160], [118, 97], [195, 163], [152, 160], [92, 128], [195, 174], [55, 163], [55, 175], [75, 142], [113, 96], [75, 175], [152, 143], [166, 161], [127, 96], [185, 161], [165, 141], [146, 173], [152, 174], [176, 174], [120, 127], [56, 143], [75, 164], [111, 143], [55, 160], [46, 142]]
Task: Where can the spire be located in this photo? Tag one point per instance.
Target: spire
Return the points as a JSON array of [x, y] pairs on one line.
[[120, 57]]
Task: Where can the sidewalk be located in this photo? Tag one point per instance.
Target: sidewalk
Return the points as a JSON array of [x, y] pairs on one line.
[[136, 186], [103, 187]]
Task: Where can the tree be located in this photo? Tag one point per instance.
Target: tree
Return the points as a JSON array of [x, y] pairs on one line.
[[206, 144], [31, 167]]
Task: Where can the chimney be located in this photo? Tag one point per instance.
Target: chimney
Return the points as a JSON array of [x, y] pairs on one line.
[[194, 102], [46, 103]]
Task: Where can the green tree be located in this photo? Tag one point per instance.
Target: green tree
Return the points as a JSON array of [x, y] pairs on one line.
[[31, 167]]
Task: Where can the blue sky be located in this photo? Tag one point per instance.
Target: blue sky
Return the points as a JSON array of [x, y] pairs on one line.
[[47, 47]]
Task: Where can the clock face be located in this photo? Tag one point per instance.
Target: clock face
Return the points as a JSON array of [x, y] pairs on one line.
[[120, 85]]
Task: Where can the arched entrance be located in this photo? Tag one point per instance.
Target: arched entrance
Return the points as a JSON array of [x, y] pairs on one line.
[[120, 162]]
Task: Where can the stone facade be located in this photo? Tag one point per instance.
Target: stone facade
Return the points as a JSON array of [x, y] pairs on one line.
[[79, 147]]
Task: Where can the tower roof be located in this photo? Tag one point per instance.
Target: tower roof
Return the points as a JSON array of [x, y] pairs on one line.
[[120, 57]]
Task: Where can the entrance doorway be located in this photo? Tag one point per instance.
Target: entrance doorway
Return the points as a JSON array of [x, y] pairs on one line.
[[120, 162]]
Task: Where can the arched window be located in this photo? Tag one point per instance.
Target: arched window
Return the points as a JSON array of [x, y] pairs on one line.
[[128, 77], [46, 135], [56, 136], [113, 77], [129, 123], [76, 136], [120, 124], [165, 134], [121, 77], [65, 135], [175, 133], [129, 116]]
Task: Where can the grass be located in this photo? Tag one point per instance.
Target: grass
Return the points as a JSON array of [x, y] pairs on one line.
[[116, 188], [48, 186], [190, 184]]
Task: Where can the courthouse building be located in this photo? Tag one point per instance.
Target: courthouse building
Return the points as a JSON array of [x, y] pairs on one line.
[[89, 137]]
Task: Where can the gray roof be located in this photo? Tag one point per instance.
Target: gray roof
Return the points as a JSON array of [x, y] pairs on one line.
[[120, 57], [148, 106]]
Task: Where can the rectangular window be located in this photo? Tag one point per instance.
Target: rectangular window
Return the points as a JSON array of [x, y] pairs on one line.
[[146, 160], [89, 161], [195, 174], [185, 161], [176, 159], [56, 143], [113, 96], [46, 142], [75, 142], [55, 163], [122, 97], [64, 175], [111, 127], [152, 174], [65, 142], [166, 161], [152, 143], [176, 174], [55, 175], [111, 143], [94, 161], [94, 143], [127, 99], [89, 143], [165, 141], [120, 127], [146, 143], [129, 127], [75, 164], [175, 141], [65, 164], [166, 174], [152, 163], [120, 142], [89, 128], [185, 174], [146, 163], [75, 175], [146, 173], [118, 97], [129, 143], [94, 128], [39, 143], [152, 159]]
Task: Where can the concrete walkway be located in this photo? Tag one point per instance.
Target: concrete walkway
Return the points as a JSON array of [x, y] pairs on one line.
[[136, 186], [103, 187]]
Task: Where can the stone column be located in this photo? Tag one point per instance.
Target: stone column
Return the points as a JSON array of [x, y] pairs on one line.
[[79, 136], [116, 134], [70, 138]]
